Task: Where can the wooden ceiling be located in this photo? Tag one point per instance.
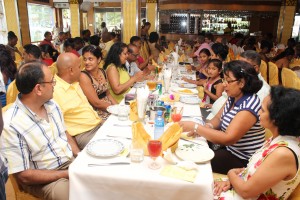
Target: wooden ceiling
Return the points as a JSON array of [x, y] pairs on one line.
[[242, 2]]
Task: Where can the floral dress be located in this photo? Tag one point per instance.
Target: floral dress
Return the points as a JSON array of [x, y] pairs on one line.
[[100, 86], [281, 190]]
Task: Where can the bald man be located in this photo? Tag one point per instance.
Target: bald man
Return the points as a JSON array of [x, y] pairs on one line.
[[81, 120]]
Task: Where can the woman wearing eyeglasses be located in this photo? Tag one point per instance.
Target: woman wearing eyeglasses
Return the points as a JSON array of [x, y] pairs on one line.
[[235, 128], [118, 77], [93, 81]]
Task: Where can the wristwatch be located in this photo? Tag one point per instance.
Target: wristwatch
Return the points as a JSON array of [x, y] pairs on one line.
[[196, 127]]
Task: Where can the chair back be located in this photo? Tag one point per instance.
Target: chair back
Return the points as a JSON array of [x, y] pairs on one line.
[[287, 77], [273, 74], [19, 192], [263, 70], [12, 92]]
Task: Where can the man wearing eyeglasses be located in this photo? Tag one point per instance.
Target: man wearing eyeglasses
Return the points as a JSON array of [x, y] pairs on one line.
[[34, 140], [131, 63]]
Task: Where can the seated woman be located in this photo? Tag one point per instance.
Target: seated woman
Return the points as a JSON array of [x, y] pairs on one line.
[[272, 172], [154, 46], [118, 77], [49, 55], [236, 126], [93, 81]]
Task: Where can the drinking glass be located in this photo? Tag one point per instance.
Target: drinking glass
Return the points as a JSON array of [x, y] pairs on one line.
[[151, 84], [141, 108], [176, 114], [154, 148], [123, 112]]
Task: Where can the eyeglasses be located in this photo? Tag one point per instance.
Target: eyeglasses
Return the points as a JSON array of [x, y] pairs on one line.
[[53, 82], [135, 54], [228, 81]]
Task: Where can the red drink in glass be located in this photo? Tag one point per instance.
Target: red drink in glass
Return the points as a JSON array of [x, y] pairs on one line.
[[154, 148], [176, 117]]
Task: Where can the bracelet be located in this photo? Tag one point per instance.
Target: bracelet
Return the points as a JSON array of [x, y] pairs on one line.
[[196, 127], [210, 125]]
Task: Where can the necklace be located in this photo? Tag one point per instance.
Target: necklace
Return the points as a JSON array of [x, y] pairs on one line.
[[98, 77]]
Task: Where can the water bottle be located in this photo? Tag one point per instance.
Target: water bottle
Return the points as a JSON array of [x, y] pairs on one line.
[[159, 124]]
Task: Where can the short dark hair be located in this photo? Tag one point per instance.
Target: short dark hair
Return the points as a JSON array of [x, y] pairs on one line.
[[134, 39], [266, 44], [284, 110], [252, 55], [243, 70], [95, 40], [217, 63], [46, 33], [33, 50], [205, 51], [95, 50], [69, 43], [153, 37], [28, 75], [11, 35], [113, 55], [85, 31], [220, 50], [47, 48]]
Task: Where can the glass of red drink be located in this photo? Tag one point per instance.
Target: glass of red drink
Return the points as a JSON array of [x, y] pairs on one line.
[[154, 148], [176, 114]]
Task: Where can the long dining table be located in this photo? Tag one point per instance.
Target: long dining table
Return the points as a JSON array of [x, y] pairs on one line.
[[134, 180]]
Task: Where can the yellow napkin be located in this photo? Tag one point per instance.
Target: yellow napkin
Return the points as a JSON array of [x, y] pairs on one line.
[[179, 173], [171, 46], [182, 58], [167, 51], [133, 115]]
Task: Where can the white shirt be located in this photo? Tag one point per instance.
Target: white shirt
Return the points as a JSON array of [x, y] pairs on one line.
[[132, 68], [262, 93]]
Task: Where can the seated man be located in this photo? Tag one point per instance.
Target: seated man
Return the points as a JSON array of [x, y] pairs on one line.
[[34, 140], [81, 120], [31, 52]]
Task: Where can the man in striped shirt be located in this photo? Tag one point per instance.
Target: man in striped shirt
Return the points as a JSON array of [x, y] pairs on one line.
[[34, 140]]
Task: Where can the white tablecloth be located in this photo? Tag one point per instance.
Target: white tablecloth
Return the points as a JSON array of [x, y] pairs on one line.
[[134, 181]]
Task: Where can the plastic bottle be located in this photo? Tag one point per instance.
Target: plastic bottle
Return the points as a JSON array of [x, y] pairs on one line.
[[159, 125]]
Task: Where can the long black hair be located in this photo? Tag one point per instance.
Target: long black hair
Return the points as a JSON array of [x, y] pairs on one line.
[[113, 55]]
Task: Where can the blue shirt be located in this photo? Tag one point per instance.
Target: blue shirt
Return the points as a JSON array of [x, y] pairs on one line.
[[255, 137]]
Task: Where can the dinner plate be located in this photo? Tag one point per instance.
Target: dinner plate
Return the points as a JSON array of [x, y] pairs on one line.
[[114, 109], [195, 153], [190, 99], [105, 148], [188, 85], [185, 91]]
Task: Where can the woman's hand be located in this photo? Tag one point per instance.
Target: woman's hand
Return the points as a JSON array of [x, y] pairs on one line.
[[188, 126], [221, 186], [139, 76]]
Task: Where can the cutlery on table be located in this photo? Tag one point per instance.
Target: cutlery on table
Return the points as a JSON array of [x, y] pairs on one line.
[[191, 141], [107, 164], [119, 136]]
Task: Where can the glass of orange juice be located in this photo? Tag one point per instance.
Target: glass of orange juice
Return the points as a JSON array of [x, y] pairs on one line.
[[151, 84]]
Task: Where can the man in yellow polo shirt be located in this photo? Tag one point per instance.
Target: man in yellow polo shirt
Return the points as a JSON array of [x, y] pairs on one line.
[[80, 118]]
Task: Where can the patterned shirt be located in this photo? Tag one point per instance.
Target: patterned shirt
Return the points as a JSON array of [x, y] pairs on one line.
[[254, 138], [30, 142]]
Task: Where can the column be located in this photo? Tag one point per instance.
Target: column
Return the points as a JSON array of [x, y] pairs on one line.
[[75, 20], [90, 21], [151, 9], [131, 17], [286, 20]]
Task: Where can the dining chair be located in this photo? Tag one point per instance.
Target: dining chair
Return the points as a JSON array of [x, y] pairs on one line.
[[273, 74], [263, 70], [287, 77], [12, 92], [296, 83], [19, 192]]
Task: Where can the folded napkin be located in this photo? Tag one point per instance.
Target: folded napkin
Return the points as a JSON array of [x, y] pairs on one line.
[[171, 46], [182, 58], [175, 56], [179, 173], [170, 137], [133, 113], [168, 51], [180, 42], [142, 98]]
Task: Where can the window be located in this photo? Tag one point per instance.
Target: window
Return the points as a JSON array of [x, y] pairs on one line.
[[41, 19], [3, 28], [111, 16]]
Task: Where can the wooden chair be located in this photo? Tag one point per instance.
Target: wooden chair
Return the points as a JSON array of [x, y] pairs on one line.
[[19, 192], [263, 70], [12, 92], [296, 83], [273, 74], [287, 77]]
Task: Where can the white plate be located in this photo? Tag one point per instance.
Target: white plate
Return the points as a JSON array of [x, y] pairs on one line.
[[139, 84], [195, 153], [114, 109], [190, 99], [189, 85], [105, 148], [184, 91]]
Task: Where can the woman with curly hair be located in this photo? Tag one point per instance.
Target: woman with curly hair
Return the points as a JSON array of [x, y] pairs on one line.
[[272, 172], [235, 132], [118, 77]]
